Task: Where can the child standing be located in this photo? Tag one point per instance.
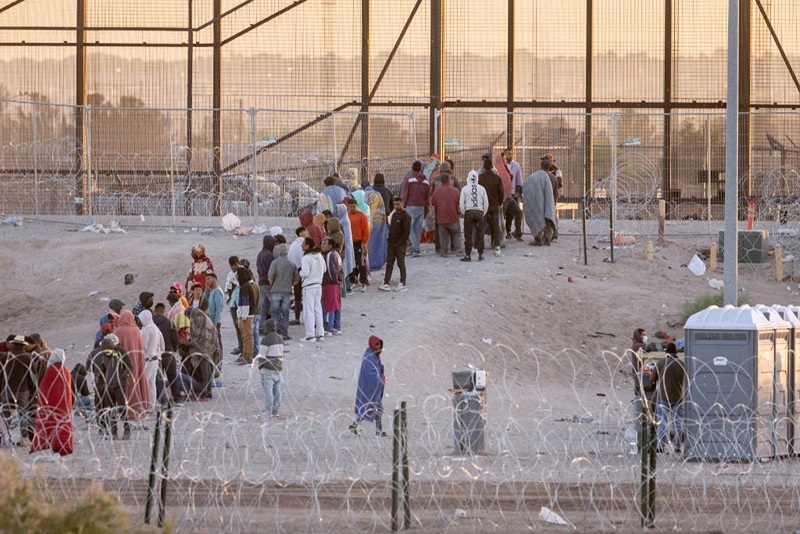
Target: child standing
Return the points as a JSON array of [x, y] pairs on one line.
[[270, 364]]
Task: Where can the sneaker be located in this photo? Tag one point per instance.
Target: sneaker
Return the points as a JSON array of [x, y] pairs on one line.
[[241, 361], [381, 435], [309, 338], [401, 287], [547, 242], [328, 333], [353, 428], [480, 257], [363, 288], [237, 351], [466, 258], [286, 337], [385, 287], [508, 235], [320, 339], [517, 236], [204, 399], [276, 415], [337, 332], [497, 251], [416, 254], [294, 322]]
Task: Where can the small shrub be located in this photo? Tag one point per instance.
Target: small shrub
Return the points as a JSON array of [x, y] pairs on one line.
[[701, 302], [23, 508]]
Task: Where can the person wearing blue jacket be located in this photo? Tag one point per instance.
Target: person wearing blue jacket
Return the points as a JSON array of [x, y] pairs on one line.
[[371, 383]]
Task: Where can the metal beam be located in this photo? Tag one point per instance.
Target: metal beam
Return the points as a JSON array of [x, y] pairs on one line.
[[223, 15], [779, 45], [9, 6], [587, 120], [667, 159], [436, 78], [94, 28], [81, 185], [378, 81], [216, 116], [189, 87], [588, 104], [510, 75], [365, 90], [286, 137], [260, 22], [745, 54]]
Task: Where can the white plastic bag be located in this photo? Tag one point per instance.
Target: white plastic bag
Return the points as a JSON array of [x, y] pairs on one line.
[[697, 266], [231, 222]]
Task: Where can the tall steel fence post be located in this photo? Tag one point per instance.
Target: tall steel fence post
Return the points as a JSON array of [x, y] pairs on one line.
[[88, 195], [708, 168], [523, 166], [35, 160], [252, 112], [612, 216], [730, 290], [413, 133], [171, 168], [437, 114], [333, 136]]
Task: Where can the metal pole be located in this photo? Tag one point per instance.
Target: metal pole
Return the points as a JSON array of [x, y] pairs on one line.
[[404, 461], [437, 114], [611, 228], [583, 216], [35, 160], [614, 117], [87, 198], [171, 167], [165, 464], [216, 113], [644, 445], [333, 135], [151, 481], [708, 168], [522, 167], [731, 261], [651, 487], [395, 467], [252, 112], [413, 133]]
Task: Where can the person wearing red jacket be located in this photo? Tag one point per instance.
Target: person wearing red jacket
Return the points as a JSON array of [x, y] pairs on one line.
[[445, 201], [359, 226]]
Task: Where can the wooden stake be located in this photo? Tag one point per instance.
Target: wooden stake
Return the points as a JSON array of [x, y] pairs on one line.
[[778, 264], [662, 218], [713, 258], [649, 250]]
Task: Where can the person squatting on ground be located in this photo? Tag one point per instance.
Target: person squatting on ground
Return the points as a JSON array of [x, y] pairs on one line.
[[670, 376], [414, 194], [332, 288], [359, 226], [270, 365], [371, 383], [473, 203], [313, 268], [539, 205], [399, 230]]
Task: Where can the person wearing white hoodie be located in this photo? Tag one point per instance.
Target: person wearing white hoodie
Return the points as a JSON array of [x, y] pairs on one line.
[[153, 342], [474, 203], [311, 272]]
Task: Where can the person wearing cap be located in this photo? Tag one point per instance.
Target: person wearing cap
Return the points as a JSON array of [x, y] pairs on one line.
[[540, 207], [371, 384], [19, 387], [414, 194], [145, 303], [178, 290], [198, 300], [114, 309], [201, 266]]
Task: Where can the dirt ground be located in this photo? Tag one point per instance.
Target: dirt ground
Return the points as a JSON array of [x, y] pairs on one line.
[[550, 330]]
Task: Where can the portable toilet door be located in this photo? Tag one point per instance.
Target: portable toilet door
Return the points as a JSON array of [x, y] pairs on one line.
[[792, 315], [729, 371], [780, 394]]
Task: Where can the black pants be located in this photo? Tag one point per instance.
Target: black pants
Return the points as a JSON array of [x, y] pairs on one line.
[[236, 326], [360, 271], [201, 369], [25, 404], [117, 411], [493, 218], [298, 301], [219, 338], [512, 211], [473, 231], [170, 366], [395, 252]]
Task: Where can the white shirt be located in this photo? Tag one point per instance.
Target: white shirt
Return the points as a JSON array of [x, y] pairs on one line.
[[296, 252], [313, 268]]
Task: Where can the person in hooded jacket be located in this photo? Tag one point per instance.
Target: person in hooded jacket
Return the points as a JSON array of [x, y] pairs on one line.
[[18, 386], [379, 185], [333, 229], [270, 365], [201, 266], [53, 427], [263, 261], [130, 337], [117, 371], [283, 277], [145, 303], [169, 362], [473, 203], [153, 342], [314, 231], [371, 384], [311, 272]]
